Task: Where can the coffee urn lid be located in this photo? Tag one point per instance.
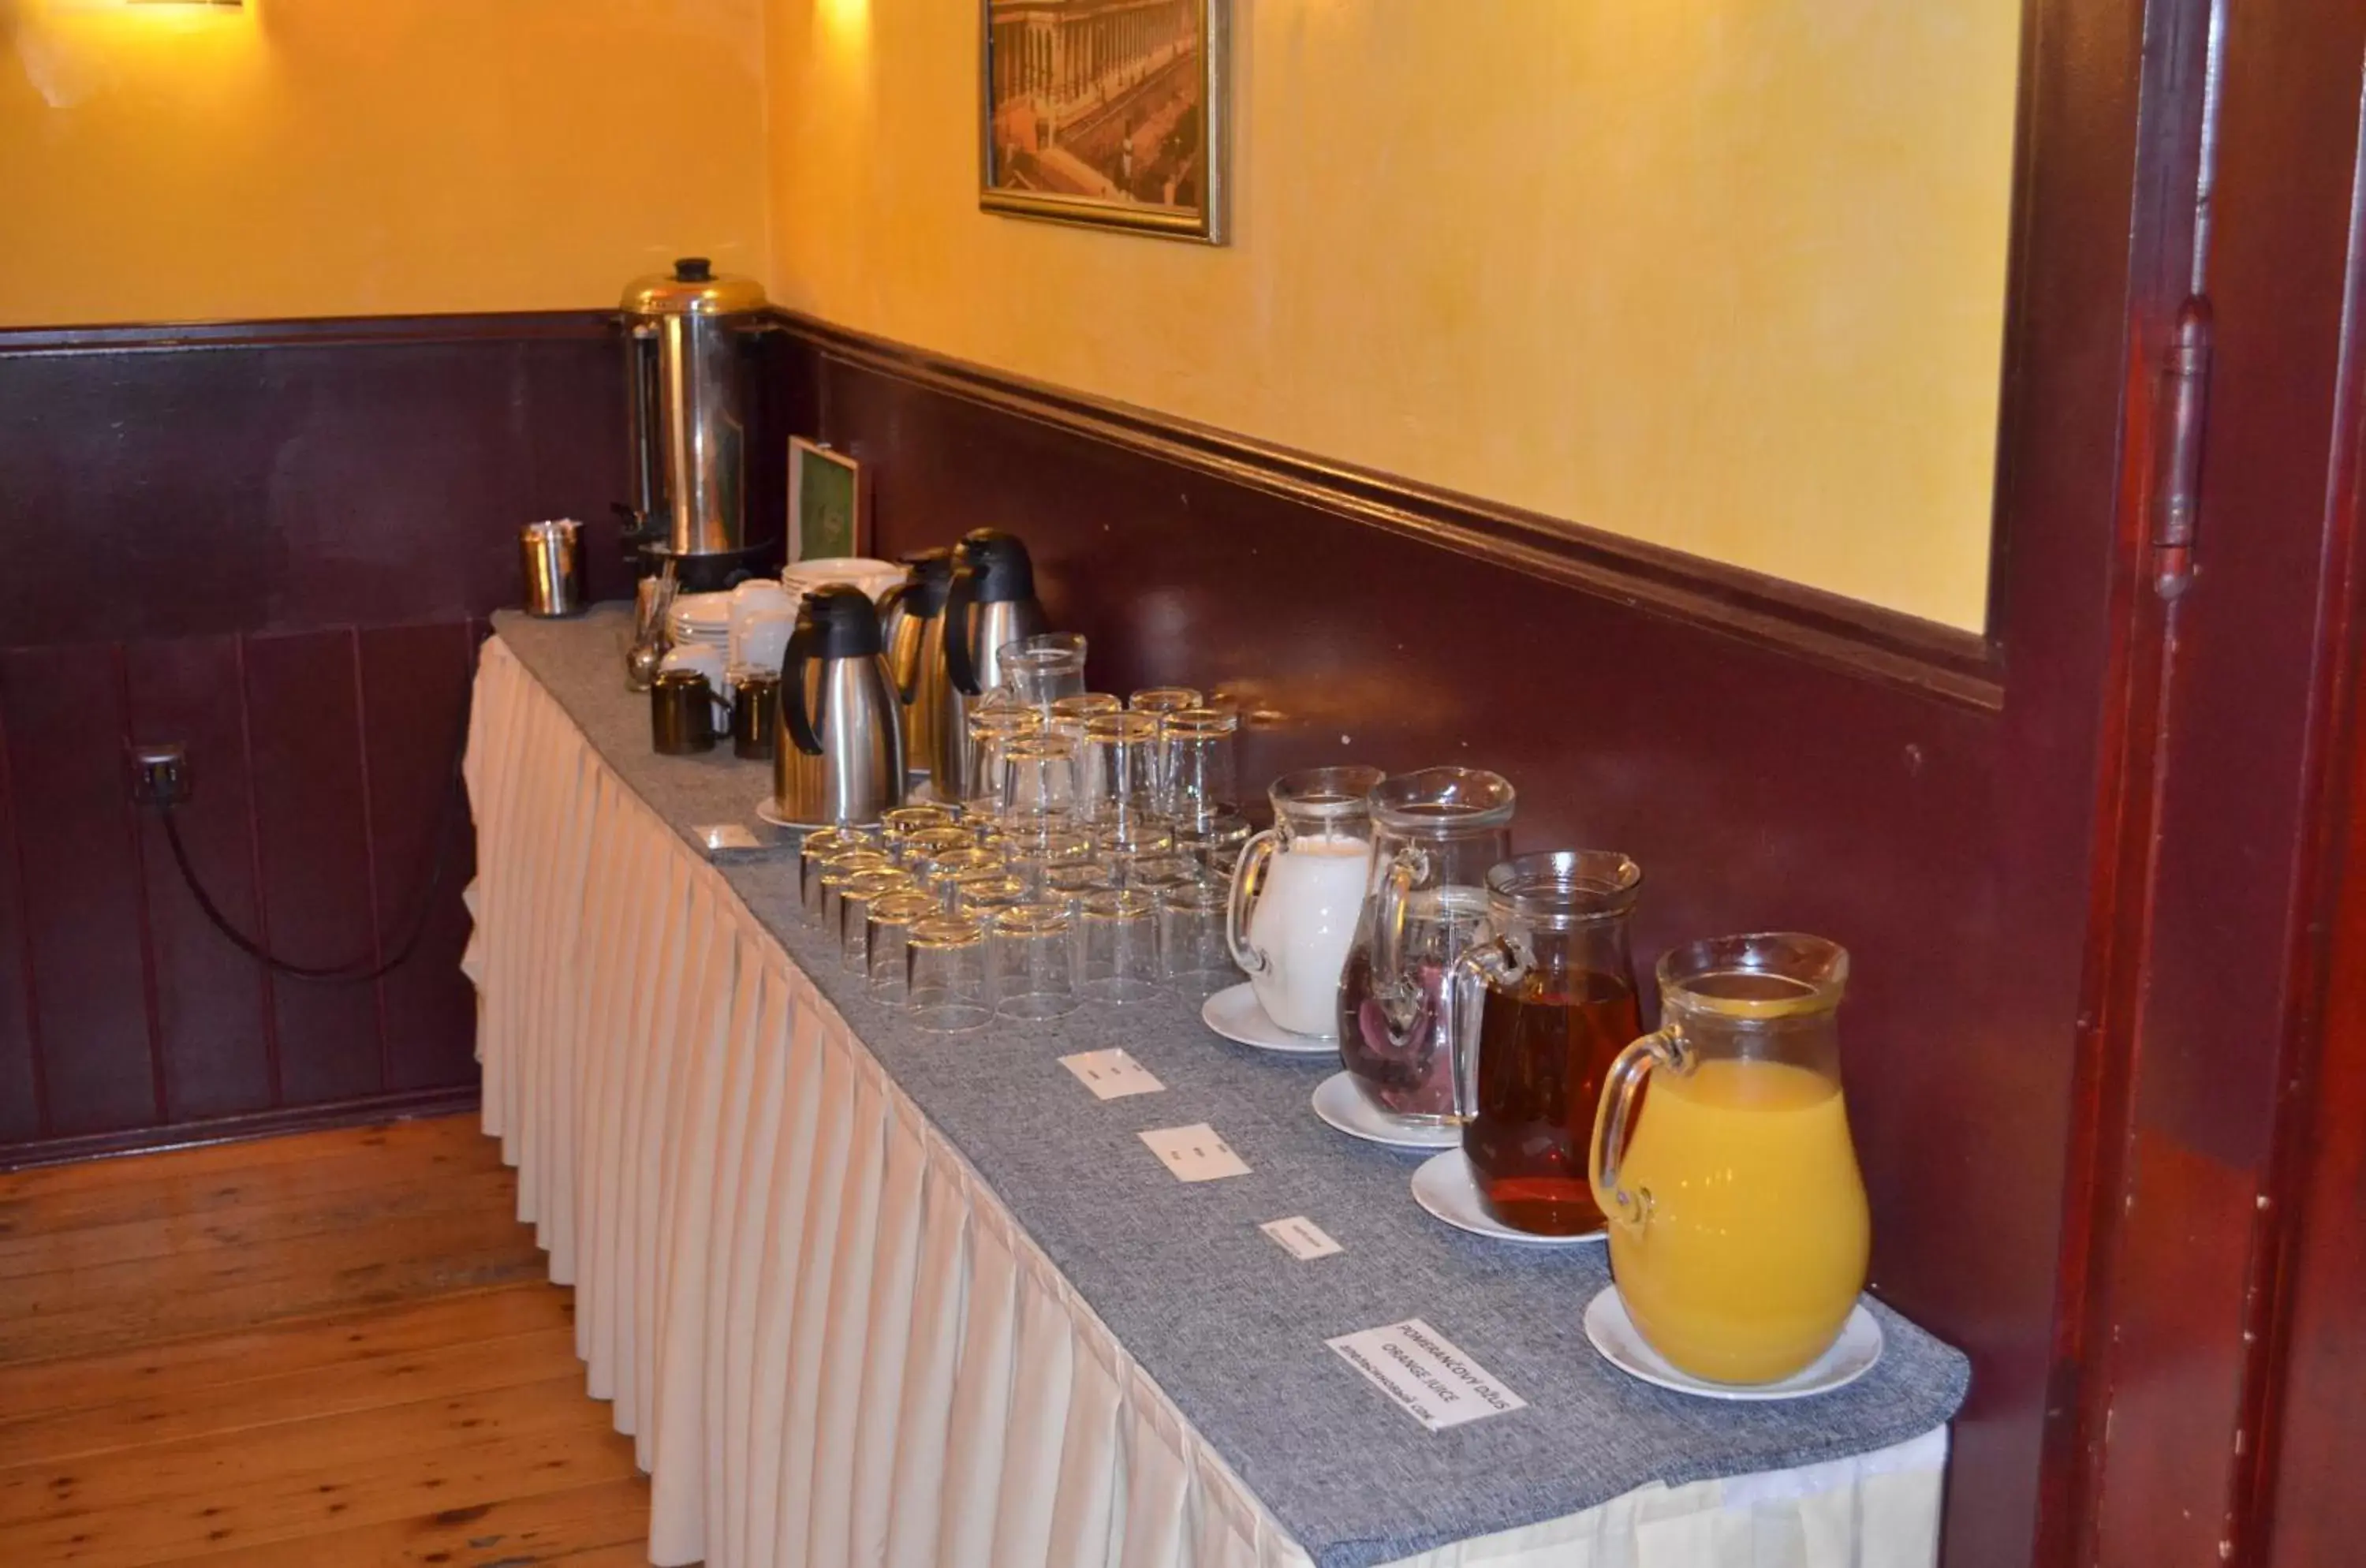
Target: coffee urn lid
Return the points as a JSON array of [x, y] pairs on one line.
[[1001, 565], [692, 288], [844, 624]]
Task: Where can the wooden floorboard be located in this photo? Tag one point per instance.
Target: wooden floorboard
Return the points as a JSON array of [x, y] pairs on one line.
[[335, 1348]]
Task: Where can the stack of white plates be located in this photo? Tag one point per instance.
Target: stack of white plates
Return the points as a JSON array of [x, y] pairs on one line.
[[700, 620], [873, 576]]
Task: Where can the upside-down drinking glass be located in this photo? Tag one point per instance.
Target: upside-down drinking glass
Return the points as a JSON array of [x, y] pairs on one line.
[[945, 985], [1119, 946], [1033, 951]]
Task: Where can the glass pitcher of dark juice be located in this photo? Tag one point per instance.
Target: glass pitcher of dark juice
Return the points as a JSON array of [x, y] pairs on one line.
[[1537, 1009], [1434, 833]]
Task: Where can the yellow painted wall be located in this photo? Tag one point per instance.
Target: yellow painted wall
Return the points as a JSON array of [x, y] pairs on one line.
[[1725, 275], [347, 157]]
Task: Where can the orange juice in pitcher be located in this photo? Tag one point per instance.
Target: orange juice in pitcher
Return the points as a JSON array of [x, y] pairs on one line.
[[1738, 1231]]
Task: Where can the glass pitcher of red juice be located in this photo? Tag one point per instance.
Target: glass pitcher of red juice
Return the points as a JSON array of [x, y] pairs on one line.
[[1434, 833], [1536, 1009]]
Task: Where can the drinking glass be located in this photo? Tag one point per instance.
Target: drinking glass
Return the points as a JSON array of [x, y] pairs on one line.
[[1033, 951], [984, 892], [1041, 669], [817, 871], [1155, 873], [904, 822], [1213, 839], [1119, 783], [1120, 946], [1195, 764], [937, 877], [944, 974], [991, 730], [822, 846], [1038, 781], [1193, 956], [1030, 855], [1068, 882], [1068, 715], [836, 874], [1164, 700], [855, 899], [915, 851], [1132, 840], [886, 928]]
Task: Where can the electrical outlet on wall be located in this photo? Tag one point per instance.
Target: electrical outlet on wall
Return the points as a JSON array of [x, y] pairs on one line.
[[160, 775]]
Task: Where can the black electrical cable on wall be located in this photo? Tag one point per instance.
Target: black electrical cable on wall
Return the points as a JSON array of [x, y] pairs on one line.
[[350, 973]]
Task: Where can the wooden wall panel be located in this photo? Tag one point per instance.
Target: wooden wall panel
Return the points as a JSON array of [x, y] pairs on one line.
[[84, 895], [209, 996], [312, 811], [328, 483], [414, 687], [21, 1101]]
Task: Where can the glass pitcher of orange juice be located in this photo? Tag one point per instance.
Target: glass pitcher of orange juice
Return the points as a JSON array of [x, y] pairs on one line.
[[1738, 1231]]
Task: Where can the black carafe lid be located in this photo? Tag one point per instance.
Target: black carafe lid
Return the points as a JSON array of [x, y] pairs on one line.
[[1000, 564], [841, 623], [925, 585]]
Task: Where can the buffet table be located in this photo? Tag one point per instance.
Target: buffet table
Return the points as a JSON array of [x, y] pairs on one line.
[[862, 1294]]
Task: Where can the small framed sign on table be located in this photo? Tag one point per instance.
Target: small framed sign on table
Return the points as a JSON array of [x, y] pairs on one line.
[[829, 503]]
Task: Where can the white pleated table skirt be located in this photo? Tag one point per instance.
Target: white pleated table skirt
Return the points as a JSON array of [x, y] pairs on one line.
[[830, 1341]]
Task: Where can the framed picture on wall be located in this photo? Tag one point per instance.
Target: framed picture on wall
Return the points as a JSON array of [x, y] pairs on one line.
[[829, 510], [1105, 112]]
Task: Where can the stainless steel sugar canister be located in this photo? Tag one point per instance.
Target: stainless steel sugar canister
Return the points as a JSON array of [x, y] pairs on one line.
[[691, 373], [551, 556]]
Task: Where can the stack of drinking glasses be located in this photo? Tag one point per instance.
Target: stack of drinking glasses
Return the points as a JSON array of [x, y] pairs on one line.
[[1089, 865]]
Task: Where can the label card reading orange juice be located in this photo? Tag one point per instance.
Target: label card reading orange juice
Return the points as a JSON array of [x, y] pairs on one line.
[[1195, 1153], [1431, 1380]]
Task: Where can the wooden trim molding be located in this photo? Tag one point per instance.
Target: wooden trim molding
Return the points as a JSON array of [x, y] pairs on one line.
[[1962, 667], [358, 1112], [340, 332]]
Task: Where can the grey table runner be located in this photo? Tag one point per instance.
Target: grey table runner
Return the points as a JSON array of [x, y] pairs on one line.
[[1228, 1322]]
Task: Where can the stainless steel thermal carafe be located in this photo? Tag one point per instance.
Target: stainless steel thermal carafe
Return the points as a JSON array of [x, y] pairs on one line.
[[838, 755]]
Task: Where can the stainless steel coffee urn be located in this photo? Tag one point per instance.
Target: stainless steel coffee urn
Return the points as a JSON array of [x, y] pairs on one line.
[[690, 372]]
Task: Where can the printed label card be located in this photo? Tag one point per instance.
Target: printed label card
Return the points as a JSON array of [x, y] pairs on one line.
[[1427, 1378], [1195, 1153], [1111, 1075], [1300, 1238]]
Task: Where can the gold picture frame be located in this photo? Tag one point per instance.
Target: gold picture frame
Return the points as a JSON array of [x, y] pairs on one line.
[[1108, 113]]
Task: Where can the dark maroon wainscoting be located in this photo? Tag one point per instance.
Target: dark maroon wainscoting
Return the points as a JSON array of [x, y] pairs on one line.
[[275, 544]]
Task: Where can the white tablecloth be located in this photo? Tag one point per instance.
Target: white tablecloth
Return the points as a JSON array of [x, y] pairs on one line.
[[830, 1341]]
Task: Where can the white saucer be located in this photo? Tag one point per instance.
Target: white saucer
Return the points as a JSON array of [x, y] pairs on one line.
[[1445, 1186], [770, 813], [1850, 1356], [1339, 1101], [1234, 1013]]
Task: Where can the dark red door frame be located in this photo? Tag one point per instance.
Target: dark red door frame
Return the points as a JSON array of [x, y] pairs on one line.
[[2212, 849]]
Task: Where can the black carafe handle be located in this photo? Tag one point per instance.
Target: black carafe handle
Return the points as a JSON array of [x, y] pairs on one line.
[[960, 668], [798, 724]]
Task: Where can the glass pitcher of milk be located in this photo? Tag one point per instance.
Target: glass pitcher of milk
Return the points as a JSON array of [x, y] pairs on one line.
[[1297, 892]]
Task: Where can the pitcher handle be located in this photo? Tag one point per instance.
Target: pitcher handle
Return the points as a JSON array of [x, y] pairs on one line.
[[1248, 881], [1461, 1001], [1399, 1001], [1665, 1047]]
